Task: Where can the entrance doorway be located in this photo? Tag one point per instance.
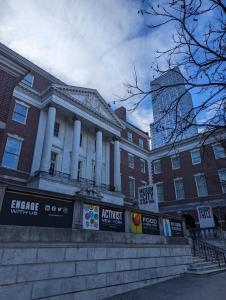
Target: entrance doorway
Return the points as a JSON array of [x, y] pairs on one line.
[[189, 221]]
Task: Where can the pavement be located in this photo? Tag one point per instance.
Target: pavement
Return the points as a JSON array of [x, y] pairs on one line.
[[187, 287]]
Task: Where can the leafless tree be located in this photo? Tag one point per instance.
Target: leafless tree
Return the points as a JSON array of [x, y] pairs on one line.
[[199, 50]]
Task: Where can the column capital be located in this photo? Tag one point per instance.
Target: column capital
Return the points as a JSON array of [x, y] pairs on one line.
[[75, 118], [116, 138]]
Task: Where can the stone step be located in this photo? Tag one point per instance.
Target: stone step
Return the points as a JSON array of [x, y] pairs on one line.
[[203, 267], [201, 263], [207, 272]]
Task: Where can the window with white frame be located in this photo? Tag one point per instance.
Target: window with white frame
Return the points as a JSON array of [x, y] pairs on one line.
[[141, 142], [53, 163], [195, 157], [160, 191], [142, 166], [80, 169], [131, 161], [143, 183], [20, 113], [175, 162], [179, 188], [11, 153], [56, 129], [219, 151], [28, 79], [222, 176], [131, 187], [157, 166], [200, 182], [129, 136]]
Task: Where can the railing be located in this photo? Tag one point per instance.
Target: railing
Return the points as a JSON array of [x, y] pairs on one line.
[[209, 252], [206, 233], [86, 183]]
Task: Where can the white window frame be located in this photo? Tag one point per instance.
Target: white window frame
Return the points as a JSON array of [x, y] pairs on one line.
[[57, 122], [198, 192], [142, 161], [22, 104], [129, 136], [214, 151], [143, 183], [175, 190], [158, 184], [154, 169], [141, 142], [134, 187], [172, 157], [26, 81], [132, 156], [192, 161], [221, 181], [10, 136]]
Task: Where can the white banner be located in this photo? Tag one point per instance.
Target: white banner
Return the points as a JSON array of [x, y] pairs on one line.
[[147, 198], [205, 215]]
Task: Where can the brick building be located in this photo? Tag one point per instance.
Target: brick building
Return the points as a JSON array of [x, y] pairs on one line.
[[66, 139], [189, 175]]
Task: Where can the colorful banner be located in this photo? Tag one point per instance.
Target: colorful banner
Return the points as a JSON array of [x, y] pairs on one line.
[[166, 227], [112, 219], [150, 225], [91, 217], [136, 223]]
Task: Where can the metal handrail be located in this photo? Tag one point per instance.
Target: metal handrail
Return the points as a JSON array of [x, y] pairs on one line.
[[209, 252]]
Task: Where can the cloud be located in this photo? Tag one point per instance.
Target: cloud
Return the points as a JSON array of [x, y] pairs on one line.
[[85, 43]]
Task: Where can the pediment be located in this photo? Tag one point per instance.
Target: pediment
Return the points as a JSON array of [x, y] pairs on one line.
[[92, 100]]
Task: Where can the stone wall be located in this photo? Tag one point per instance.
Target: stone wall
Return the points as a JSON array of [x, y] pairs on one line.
[[41, 263]]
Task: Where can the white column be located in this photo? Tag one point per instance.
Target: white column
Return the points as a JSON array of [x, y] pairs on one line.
[[75, 149], [117, 162], [48, 140], [98, 162], [107, 161]]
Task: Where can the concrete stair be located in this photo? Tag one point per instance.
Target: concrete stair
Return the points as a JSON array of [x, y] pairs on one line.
[[201, 267]]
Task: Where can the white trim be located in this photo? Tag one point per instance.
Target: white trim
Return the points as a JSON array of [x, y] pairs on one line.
[[216, 144], [18, 156], [137, 152], [162, 184], [153, 163], [222, 169], [134, 187], [132, 156], [171, 158], [17, 93], [27, 108], [175, 190], [142, 160], [15, 136], [195, 150], [197, 190]]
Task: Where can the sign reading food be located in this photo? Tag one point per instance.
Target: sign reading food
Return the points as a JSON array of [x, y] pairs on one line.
[[150, 224], [35, 210], [112, 219], [91, 217], [136, 222]]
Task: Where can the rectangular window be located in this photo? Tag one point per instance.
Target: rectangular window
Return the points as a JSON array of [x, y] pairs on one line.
[[218, 150], [175, 162], [179, 188], [157, 166], [222, 176], [80, 139], [53, 161], [131, 187], [160, 191], [56, 129], [200, 181], [79, 169], [142, 166], [131, 161], [141, 142], [11, 153], [129, 136], [20, 113], [143, 183], [195, 157], [28, 80]]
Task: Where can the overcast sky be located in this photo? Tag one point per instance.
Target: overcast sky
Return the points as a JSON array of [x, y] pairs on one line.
[[88, 43]]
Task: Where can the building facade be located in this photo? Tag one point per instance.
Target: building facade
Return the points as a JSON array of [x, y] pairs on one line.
[[66, 139], [190, 175], [164, 113]]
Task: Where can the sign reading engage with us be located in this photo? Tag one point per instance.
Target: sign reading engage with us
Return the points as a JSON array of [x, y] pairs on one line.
[[146, 198], [112, 219], [35, 210]]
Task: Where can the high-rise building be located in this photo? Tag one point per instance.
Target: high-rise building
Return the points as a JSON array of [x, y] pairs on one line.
[[169, 122]]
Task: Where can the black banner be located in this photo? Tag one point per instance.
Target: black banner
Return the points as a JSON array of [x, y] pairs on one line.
[[35, 210], [111, 219], [176, 228], [150, 224]]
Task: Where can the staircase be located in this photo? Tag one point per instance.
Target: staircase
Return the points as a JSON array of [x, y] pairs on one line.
[[200, 266]]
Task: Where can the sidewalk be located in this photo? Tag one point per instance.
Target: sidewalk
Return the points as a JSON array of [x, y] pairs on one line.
[[188, 287]]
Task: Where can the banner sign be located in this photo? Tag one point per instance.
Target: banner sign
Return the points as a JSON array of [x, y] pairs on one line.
[[166, 227], [136, 222], [91, 217], [35, 210], [146, 198], [205, 215], [112, 219], [176, 228], [150, 225]]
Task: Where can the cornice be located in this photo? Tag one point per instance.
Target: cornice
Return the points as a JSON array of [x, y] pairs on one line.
[[137, 147], [11, 67], [137, 130]]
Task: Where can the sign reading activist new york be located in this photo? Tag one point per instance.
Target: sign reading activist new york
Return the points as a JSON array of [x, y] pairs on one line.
[[112, 219]]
